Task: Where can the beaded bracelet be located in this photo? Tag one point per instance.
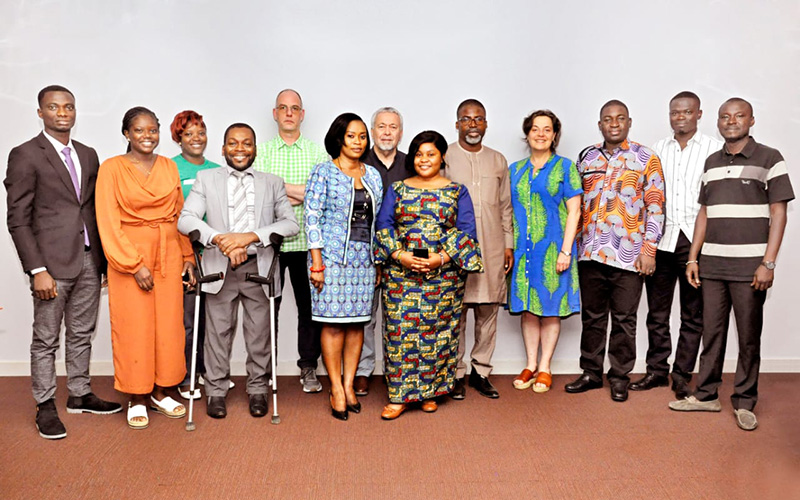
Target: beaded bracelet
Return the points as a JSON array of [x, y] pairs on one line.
[[441, 256], [318, 270], [691, 262]]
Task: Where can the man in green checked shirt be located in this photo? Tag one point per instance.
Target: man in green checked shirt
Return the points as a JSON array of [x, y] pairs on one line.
[[291, 157]]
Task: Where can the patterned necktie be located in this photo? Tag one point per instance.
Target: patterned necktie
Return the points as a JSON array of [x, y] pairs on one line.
[[73, 174], [239, 205]]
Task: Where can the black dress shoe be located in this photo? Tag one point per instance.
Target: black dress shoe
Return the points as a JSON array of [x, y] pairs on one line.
[[582, 384], [619, 391], [47, 421], [339, 415], [356, 408], [482, 385], [649, 381], [216, 407], [91, 404], [459, 391], [258, 405], [681, 387]]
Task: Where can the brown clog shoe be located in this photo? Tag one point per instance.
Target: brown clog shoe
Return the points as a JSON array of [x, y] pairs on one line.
[[390, 413]]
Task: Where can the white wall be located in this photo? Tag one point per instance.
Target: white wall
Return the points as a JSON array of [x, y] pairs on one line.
[[228, 59]]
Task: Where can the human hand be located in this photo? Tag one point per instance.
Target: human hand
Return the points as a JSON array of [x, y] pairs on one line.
[[563, 261], [763, 278], [645, 264], [144, 279], [693, 274], [318, 280], [44, 286], [508, 260], [237, 257], [188, 269], [228, 242]]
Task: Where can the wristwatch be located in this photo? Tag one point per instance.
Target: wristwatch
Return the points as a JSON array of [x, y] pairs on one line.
[[769, 264]]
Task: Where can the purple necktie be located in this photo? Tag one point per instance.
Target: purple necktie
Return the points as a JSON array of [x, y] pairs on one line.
[[73, 174]]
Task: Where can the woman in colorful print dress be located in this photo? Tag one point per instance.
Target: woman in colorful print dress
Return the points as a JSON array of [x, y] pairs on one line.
[[423, 296], [341, 199], [546, 199]]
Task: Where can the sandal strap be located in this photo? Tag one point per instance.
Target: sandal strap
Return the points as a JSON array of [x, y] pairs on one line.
[[524, 376], [166, 404], [544, 378], [136, 411]]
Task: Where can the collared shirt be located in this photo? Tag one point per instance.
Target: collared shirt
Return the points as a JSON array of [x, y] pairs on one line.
[[683, 169], [737, 191], [59, 147], [293, 164], [623, 204], [246, 177], [391, 174]]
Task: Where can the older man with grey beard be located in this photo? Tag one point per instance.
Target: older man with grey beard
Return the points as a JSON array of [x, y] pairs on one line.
[[386, 131]]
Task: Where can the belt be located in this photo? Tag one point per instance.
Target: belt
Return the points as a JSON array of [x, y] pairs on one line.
[[162, 238]]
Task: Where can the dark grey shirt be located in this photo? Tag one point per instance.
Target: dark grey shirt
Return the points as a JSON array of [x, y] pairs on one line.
[[396, 171]]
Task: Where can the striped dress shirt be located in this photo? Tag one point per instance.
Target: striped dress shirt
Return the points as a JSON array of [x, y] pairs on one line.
[[683, 169], [737, 191]]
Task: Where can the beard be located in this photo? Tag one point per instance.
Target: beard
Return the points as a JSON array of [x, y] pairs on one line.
[[473, 139], [386, 146], [230, 162]]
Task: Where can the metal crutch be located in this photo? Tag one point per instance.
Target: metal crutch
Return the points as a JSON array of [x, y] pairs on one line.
[[275, 240], [194, 236]]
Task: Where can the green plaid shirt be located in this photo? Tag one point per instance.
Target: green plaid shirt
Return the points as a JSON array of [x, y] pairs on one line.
[[293, 164]]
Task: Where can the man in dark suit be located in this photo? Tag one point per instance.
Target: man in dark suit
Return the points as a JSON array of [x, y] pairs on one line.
[[50, 184]]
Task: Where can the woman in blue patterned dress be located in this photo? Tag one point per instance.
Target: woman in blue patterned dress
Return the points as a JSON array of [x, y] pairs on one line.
[[341, 200], [422, 296], [546, 199]]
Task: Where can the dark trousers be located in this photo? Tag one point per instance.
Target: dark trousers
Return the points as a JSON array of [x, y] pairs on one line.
[[188, 325], [671, 267], [608, 290], [748, 309], [308, 332]]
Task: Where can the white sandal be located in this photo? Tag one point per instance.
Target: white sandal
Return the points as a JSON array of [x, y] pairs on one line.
[[135, 411], [168, 407], [185, 393]]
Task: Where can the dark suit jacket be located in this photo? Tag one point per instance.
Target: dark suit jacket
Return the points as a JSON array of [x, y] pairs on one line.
[[45, 218]]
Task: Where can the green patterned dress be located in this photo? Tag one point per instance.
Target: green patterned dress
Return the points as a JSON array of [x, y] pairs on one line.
[[539, 202]]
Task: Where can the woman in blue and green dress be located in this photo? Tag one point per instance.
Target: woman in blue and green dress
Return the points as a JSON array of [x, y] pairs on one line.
[[422, 296], [189, 132], [546, 199]]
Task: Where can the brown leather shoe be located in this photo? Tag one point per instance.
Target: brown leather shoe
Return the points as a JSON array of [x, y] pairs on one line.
[[361, 385], [429, 406], [390, 413]]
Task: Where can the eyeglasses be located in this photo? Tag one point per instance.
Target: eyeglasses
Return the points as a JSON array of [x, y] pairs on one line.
[[295, 109], [477, 119]]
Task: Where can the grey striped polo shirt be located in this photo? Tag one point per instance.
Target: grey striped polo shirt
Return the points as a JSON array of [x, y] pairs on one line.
[[737, 191]]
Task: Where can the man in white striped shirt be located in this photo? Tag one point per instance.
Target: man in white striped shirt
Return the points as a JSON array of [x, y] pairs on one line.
[[683, 156]]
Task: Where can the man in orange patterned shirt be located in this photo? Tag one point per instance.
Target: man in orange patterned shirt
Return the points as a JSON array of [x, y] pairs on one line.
[[623, 219]]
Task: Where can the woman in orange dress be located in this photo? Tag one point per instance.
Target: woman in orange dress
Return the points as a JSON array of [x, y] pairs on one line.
[[138, 202]]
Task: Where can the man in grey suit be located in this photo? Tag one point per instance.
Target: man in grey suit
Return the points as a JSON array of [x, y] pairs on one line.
[[242, 207], [50, 184]]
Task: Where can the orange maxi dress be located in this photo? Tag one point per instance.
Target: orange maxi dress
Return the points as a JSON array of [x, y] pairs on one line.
[[137, 217]]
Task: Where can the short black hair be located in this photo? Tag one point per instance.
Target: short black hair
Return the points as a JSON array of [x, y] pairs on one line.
[[131, 114], [52, 88], [739, 99], [527, 125], [334, 139], [426, 137], [469, 102], [687, 94], [237, 125], [613, 102]]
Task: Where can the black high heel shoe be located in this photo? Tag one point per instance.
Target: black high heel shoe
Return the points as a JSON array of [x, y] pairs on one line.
[[339, 415], [356, 408]]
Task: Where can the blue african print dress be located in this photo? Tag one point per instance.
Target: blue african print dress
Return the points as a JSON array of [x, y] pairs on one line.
[[422, 311], [329, 210], [539, 202]]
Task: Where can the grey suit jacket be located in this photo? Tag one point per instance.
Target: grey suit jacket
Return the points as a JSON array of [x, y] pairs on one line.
[[209, 199], [45, 218]]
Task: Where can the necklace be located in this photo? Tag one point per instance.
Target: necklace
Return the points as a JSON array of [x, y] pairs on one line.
[[362, 168], [140, 167]]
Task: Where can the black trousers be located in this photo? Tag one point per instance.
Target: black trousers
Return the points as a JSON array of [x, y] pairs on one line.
[[308, 332], [671, 267], [608, 290], [748, 309]]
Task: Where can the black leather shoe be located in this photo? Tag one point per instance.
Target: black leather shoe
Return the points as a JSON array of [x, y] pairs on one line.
[[649, 381], [47, 421], [356, 408], [619, 391], [582, 384], [91, 404], [258, 405], [482, 385], [681, 387], [459, 391], [216, 407]]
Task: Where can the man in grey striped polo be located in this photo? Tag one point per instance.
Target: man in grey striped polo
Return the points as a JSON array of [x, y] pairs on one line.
[[743, 197], [683, 156]]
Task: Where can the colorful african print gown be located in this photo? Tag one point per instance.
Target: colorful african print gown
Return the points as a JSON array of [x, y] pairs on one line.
[[421, 312], [539, 202]]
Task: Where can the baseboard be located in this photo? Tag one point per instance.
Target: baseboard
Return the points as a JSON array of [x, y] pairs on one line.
[[501, 367]]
